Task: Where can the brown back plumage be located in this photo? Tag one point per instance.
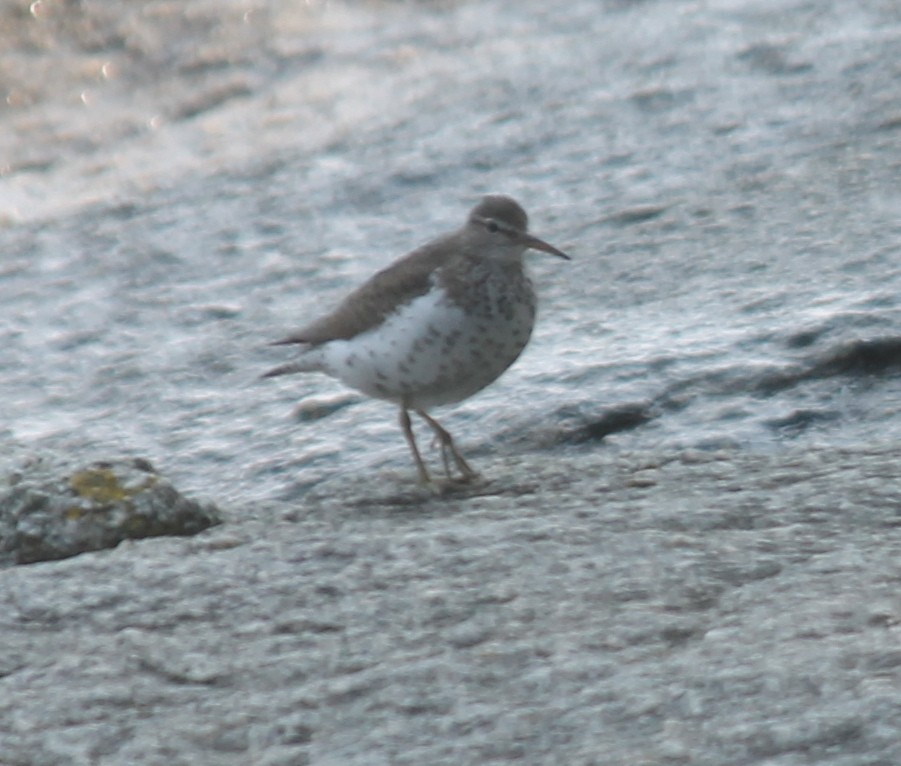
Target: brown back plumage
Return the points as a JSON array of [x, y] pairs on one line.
[[496, 223], [371, 303]]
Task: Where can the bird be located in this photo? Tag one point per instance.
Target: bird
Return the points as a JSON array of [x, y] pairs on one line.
[[435, 327]]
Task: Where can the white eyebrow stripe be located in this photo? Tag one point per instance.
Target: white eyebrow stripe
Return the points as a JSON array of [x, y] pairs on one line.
[[504, 227]]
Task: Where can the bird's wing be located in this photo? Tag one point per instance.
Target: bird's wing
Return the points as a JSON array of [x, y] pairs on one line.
[[371, 303]]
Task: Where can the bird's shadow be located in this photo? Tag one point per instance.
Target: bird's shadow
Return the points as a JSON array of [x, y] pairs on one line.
[[396, 492]]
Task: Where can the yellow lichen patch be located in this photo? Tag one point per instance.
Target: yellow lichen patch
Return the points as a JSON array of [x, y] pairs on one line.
[[101, 485], [98, 484]]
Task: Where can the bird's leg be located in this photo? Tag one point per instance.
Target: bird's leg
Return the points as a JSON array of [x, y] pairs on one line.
[[444, 461], [438, 441], [407, 428], [447, 443]]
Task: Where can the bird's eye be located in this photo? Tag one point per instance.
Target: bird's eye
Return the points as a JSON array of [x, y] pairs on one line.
[[492, 227]]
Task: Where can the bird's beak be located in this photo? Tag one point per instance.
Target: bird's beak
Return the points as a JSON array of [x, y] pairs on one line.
[[539, 244]]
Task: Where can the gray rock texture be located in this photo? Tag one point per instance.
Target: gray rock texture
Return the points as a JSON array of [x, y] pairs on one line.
[[695, 608], [51, 511], [687, 549]]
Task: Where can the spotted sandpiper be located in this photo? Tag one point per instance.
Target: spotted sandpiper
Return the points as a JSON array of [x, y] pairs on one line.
[[434, 327]]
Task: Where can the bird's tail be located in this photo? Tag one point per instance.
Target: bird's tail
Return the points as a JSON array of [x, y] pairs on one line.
[[289, 369]]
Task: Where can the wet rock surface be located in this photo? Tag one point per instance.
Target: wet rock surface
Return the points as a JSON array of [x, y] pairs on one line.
[[685, 548]]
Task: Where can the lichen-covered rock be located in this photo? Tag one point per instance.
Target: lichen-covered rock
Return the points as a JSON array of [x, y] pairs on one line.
[[51, 512]]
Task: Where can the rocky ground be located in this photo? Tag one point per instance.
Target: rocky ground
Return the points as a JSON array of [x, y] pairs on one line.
[[590, 602], [694, 608]]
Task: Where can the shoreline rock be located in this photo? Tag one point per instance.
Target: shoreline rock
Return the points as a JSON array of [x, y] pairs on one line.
[[50, 511]]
